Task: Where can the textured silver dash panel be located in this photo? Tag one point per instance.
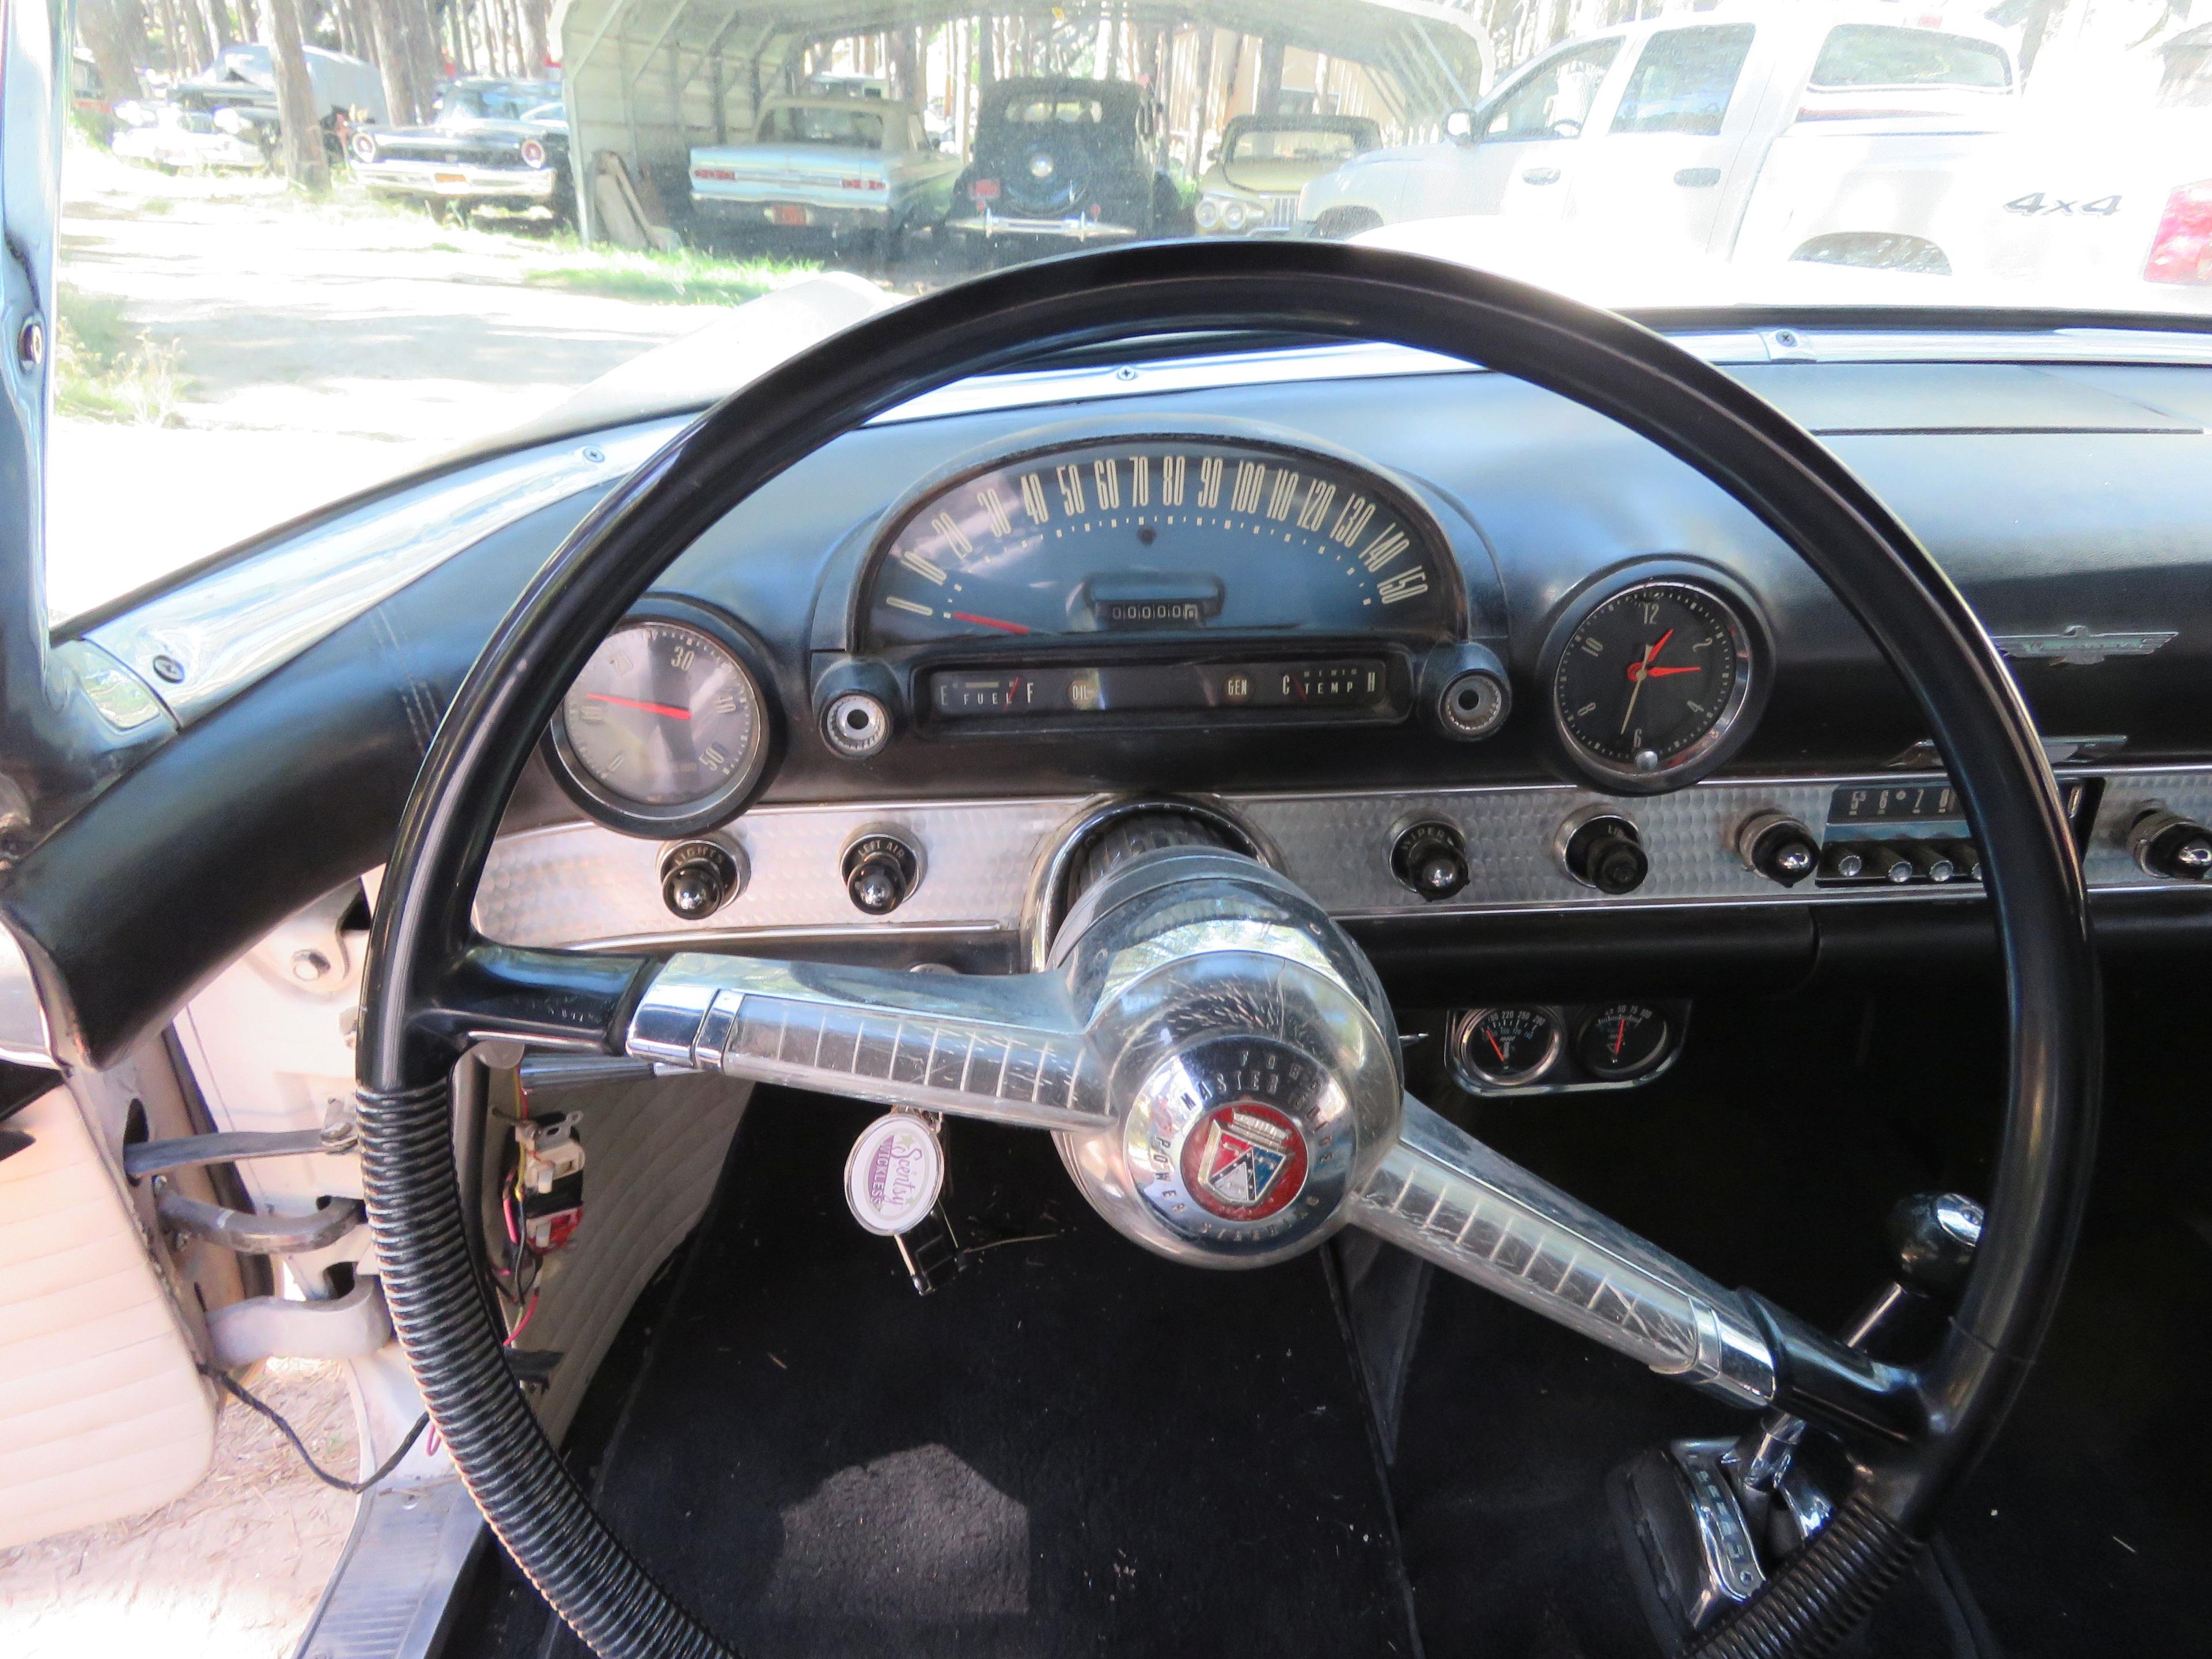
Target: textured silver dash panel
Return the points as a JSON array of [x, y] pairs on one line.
[[580, 882], [1445, 1196]]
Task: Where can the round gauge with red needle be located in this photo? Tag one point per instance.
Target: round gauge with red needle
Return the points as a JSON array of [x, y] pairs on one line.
[[666, 729], [1622, 1041], [1652, 682], [1505, 1048]]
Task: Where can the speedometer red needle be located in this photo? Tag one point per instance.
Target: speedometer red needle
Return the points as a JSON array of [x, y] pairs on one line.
[[671, 712], [989, 622]]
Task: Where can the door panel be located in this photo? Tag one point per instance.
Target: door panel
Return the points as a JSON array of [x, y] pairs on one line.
[[1532, 135], [105, 1411], [1661, 170]]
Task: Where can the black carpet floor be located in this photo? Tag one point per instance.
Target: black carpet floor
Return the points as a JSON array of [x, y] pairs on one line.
[[1075, 1447]]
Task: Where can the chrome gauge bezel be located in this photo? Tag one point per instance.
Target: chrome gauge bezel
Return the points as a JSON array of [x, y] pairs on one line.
[[1477, 1078], [1437, 547], [700, 813], [1753, 656]]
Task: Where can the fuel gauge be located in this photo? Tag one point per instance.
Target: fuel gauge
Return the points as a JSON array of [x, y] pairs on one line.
[[1504, 1047]]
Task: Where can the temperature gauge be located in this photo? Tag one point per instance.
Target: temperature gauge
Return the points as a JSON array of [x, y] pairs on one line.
[[1504, 1047], [1622, 1041]]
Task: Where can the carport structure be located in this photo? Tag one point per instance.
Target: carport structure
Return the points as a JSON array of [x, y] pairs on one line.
[[647, 79]]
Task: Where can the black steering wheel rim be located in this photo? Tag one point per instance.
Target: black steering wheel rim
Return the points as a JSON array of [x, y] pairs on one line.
[[1799, 489]]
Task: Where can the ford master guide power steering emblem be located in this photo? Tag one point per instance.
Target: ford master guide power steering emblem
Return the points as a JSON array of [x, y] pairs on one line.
[[1244, 1161]]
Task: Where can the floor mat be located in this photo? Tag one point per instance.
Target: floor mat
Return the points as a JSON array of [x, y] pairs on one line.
[[1075, 1447]]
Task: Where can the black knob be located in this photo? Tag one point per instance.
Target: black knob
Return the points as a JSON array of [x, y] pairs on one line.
[[879, 873], [1884, 862], [1431, 858], [1965, 858], [1607, 854], [1780, 848], [1931, 861], [1932, 1238], [2167, 844], [698, 877]]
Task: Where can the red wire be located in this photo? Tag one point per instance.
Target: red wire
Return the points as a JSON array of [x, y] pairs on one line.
[[528, 1309]]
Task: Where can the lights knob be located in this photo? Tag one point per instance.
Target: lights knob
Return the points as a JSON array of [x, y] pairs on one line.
[[1932, 1237], [1605, 852], [1778, 847], [880, 872], [2166, 844], [1431, 858]]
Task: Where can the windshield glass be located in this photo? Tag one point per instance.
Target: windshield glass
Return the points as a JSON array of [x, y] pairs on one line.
[[254, 321]]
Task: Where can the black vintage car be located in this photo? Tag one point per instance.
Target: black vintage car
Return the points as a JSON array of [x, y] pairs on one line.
[[503, 142], [1065, 161]]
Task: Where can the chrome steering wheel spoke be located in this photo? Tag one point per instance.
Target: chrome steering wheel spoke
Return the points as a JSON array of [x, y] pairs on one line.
[[1010, 1049], [1444, 1196]]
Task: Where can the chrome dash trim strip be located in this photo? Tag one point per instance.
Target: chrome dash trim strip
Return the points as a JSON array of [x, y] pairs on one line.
[[25, 1037], [984, 861], [224, 631]]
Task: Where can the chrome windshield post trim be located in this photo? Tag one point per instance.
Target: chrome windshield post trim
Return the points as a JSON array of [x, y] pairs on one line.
[[1450, 1199], [26, 1039]]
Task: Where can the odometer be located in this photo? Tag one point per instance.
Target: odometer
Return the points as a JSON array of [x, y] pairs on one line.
[[1153, 536]]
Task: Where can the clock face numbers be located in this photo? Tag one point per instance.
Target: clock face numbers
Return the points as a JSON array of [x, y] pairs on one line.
[[1652, 679]]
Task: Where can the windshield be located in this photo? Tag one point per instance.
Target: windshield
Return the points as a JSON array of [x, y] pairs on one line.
[[255, 321]]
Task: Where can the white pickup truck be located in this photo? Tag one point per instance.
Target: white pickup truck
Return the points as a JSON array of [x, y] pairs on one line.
[[1830, 135]]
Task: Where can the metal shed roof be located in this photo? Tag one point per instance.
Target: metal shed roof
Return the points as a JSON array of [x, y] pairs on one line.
[[647, 79]]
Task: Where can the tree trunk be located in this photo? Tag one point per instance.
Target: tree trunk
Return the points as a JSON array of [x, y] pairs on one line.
[[536, 46], [1201, 93], [305, 164], [115, 34], [1268, 93]]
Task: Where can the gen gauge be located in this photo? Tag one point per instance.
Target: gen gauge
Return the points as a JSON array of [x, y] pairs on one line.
[[1159, 536]]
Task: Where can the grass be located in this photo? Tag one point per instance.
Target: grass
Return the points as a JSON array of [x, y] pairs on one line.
[[106, 370], [684, 277]]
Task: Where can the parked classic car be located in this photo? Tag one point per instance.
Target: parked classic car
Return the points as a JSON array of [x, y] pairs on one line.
[[843, 165], [1066, 160], [1265, 161], [226, 116], [493, 141]]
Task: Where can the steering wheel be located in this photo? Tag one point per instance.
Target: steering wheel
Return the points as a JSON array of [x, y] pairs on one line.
[[1183, 946]]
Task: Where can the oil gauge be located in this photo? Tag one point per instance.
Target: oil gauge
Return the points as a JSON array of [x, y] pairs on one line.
[[1622, 1041]]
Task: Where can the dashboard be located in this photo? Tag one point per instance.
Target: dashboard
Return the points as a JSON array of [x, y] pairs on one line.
[[1544, 717]]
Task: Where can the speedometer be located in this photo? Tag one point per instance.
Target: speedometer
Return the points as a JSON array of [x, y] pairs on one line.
[[1161, 536]]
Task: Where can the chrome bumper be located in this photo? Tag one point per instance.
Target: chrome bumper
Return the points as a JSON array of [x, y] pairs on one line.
[[457, 179], [1074, 227], [754, 209]]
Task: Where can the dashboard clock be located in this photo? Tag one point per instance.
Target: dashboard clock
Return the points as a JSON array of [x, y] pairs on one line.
[[666, 730], [1652, 680]]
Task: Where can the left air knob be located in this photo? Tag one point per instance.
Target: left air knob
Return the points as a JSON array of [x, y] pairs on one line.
[[880, 872], [698, 877]]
